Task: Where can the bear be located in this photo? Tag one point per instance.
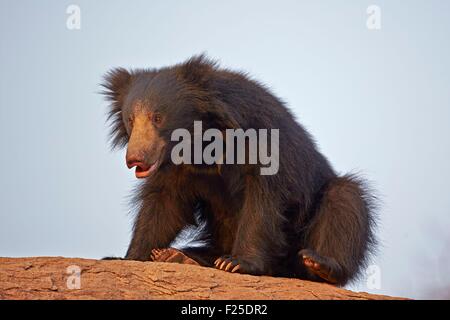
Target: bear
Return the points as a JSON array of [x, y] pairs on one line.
[[304, 221]]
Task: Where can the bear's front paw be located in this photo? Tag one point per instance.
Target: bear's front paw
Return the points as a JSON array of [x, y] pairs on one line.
[[235, 264]]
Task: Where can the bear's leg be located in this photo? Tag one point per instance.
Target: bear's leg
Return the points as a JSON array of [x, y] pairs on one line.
[[260, 240], [340, 235], [158, 222]]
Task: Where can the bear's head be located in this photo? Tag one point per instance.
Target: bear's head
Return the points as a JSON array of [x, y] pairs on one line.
[[147, 105]]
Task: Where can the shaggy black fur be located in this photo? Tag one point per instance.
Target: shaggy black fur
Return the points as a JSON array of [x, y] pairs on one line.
[[304, 221]]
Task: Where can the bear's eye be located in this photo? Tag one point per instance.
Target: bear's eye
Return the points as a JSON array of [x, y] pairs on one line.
[[156, 118], [130, 122]]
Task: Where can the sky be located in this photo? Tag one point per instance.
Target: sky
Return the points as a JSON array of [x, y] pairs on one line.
[[377, 101]]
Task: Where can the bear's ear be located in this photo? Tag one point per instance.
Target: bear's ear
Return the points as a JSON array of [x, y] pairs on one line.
[[197, 70], [116, 84]]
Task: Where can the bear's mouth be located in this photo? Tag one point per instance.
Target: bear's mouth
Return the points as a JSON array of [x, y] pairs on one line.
[[144, 170]]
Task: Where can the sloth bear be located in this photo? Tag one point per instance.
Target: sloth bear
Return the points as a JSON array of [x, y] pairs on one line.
[[303, 221]]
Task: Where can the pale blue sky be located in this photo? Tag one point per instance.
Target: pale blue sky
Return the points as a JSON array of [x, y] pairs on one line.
[[376, 101]]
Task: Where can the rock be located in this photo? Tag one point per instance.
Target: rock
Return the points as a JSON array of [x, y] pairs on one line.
[[73, 278]]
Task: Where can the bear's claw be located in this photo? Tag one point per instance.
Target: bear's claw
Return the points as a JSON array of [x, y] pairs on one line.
[[171, 255], [227, 263]]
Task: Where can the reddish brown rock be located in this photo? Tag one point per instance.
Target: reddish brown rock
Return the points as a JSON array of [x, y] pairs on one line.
[[56, 278]]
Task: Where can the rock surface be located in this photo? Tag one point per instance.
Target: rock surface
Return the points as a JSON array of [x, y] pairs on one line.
[[73, 278]]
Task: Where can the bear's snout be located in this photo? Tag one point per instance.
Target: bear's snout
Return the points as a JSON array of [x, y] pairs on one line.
[[143, 169]]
